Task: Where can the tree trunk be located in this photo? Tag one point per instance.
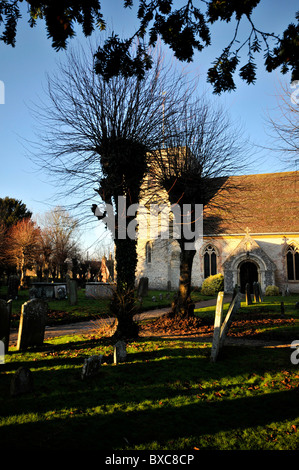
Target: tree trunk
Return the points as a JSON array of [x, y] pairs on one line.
[[183, 305], [123, 302]]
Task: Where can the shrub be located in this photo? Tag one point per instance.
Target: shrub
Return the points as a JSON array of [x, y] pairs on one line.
[[272, 290], [213, 284]]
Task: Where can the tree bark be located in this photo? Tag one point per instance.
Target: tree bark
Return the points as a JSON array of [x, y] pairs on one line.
[[183, 305]]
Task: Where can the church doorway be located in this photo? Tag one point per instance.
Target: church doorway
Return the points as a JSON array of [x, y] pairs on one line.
[[248, 274]]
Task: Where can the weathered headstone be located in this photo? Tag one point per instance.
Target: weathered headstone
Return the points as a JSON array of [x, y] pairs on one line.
[[32, 324], [33, 293], [13, 287], [248, 294], [153, 298], [257, 292], [119, 352], [5, 316], [91, 366], [142, 289], [161, 296], [60, 292], [72, 294], [260, 292], [21, 382]]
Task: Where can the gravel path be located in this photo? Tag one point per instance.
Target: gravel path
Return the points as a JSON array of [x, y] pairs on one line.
[[93, 325]]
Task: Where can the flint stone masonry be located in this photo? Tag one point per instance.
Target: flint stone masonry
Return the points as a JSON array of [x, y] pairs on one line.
[[32, 324], [21, 382], [91, 366]]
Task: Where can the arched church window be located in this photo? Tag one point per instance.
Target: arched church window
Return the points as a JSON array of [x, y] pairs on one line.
[[148, 252], [292, 260], [210, 261]]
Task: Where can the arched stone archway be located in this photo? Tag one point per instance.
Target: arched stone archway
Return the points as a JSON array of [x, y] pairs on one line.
[[248, 274], [248, 251]]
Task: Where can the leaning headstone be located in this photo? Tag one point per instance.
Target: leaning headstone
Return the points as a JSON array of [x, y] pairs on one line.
[[72, 294], [91, 366], [142, 289], [32, 324], [248, 294], [5, 316], [21, 382], [119, 352]]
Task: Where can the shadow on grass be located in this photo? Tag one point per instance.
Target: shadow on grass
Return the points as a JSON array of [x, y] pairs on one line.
[[105, 430]]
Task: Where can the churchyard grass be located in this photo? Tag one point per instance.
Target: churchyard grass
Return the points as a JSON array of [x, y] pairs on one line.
[[167, 395], [88, 309], [263, 320]]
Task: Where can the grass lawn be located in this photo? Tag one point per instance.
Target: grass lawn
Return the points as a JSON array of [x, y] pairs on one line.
[[168, 395], [87, 309], [261, 320]]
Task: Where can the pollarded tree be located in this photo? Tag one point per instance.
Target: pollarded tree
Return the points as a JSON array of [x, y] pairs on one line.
[[96, 134]]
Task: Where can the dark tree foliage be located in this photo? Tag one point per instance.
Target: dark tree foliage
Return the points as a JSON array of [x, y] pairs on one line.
[[12, 211], [185, 30], [59, 15]]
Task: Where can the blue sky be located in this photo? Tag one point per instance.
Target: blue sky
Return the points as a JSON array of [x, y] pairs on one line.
[[23, 70]]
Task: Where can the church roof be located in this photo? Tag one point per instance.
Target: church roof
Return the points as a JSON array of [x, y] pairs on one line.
[[262, 203]]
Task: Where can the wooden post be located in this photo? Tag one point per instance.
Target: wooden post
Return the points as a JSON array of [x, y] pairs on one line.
[[217, 326], [233, 308]]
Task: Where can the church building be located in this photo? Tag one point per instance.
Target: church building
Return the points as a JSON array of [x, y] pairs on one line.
[[257, 240]]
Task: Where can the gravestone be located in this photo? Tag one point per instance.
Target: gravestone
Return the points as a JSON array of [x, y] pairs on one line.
[[161, 296], [32, 324], [21, 382], [13, 287], [260, 291], [72, 294], [119, 352], [257, 292], [5, 316], [248, 294], [91, 366], [60, 292], [142, 289], [153, 298]]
